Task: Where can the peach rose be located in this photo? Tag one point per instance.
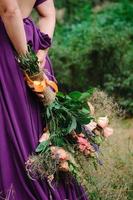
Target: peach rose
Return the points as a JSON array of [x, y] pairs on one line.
[[103, 121], [107, 131], [60, 153], [91, 126], [54, 149], [82, 147]]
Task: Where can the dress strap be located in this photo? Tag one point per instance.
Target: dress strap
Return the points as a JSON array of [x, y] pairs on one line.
[[38, 2]]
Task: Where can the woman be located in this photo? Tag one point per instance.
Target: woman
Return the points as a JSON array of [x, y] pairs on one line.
[[20, 119]]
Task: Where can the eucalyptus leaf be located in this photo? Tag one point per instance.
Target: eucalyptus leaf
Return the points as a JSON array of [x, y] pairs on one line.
[[42, 147]]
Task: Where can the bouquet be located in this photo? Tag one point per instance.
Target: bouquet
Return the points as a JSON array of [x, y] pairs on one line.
[[71, 128]]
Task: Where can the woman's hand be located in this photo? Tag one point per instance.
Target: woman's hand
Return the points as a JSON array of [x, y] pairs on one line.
[[41, 54]]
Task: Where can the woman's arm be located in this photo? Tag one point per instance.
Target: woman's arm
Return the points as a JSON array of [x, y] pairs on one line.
[[12, 19], [46, 24], [47, 17]]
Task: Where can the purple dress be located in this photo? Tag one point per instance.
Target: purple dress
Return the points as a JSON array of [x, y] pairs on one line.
[[21, 126]]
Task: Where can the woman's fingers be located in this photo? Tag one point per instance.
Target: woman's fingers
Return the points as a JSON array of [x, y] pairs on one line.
[[41, 54], [40, 95]]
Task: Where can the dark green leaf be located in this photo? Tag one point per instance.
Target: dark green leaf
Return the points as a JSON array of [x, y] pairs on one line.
[[75, 95], [72, 125]]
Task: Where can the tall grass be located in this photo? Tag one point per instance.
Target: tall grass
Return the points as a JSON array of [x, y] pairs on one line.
[[114, 180]]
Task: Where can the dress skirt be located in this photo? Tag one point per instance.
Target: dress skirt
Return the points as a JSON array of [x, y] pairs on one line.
[[21, 126]]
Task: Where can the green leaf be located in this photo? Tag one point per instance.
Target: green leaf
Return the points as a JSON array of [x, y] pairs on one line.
[[57, 141], [42, 147], [57, 106], [85, 96], [83, 118], [75, 95], [60, 94], [85, 110], [72, 125], [48, 113]]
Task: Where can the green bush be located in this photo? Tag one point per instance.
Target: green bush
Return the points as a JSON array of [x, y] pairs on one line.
[[97, 51]]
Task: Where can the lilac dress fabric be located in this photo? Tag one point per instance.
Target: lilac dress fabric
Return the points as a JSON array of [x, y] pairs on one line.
[[21, 126]]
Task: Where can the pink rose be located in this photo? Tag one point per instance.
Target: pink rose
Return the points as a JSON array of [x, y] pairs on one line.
[[82, 141], [86, 149], [84, 144], [107, 131], [103, 122], [44, 137], [91, 126]]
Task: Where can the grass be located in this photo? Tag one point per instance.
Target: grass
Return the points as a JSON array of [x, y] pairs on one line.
[[114, 180]]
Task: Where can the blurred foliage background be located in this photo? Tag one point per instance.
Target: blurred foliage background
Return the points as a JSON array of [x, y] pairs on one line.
[[93, 46]]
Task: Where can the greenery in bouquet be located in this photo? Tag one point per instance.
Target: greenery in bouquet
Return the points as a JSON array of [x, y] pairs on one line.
[[29, 63]]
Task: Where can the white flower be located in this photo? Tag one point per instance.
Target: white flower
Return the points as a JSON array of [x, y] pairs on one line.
[[44, 137], [103, 121]]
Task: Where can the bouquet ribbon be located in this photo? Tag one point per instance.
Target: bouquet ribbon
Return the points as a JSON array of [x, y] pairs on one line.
[[40, 86]]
